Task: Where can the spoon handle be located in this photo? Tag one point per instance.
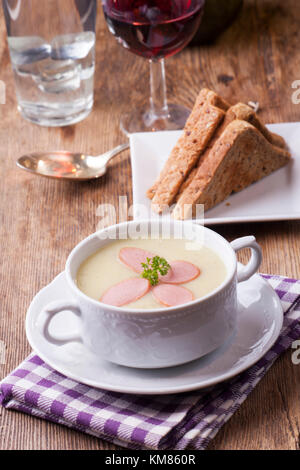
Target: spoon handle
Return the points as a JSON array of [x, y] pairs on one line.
[[114, 152]]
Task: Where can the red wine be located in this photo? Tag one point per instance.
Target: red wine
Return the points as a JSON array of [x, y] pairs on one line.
[[153, 28]]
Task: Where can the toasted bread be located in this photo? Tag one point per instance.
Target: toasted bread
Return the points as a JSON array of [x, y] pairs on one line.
[[241, 112], [240, 156], [207, 114]]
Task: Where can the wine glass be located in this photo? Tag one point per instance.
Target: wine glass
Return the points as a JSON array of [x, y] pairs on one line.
[[154, 29]]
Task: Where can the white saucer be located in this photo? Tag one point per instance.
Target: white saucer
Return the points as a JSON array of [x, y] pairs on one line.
[[259, 324]]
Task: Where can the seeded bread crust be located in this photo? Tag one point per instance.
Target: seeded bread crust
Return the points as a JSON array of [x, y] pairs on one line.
[[241, 156], [206, 115]]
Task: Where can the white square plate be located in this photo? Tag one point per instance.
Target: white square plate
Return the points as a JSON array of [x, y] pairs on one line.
[[276, 197]]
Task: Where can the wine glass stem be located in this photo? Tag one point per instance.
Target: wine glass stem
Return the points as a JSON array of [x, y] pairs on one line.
[[158, 89]]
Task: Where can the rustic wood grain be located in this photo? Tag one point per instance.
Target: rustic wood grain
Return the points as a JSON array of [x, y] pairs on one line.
[[41, 220]]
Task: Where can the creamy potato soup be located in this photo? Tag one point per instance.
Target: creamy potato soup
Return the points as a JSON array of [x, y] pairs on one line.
[[191, 275]]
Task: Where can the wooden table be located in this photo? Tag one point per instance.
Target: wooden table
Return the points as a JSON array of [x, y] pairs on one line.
[[41, 220]]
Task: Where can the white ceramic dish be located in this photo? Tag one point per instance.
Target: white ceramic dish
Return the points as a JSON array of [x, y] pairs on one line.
[[259, 324], [276, 197], [161, 337]]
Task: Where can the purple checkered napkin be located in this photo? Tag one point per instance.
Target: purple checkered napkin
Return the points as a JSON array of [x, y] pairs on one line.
[[142, 422]]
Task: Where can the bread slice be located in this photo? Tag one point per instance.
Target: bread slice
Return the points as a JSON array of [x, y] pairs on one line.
[[208, 113], [245, 113], [205, 97], [241, 112], [240, 156]]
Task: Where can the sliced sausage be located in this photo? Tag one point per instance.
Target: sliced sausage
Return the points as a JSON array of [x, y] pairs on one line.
[[126, 292], [133, 257], [181, 272], [170, 295]]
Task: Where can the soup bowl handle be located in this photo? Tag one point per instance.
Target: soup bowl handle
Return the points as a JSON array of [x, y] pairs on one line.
[[49, 313], [244, 272]]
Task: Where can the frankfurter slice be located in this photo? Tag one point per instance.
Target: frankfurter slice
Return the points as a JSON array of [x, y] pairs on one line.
[[126, 292], [170, 295], [181, 272], [134, 257]]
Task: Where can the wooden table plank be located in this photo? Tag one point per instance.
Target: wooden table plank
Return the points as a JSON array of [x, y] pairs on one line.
[[41, 220]]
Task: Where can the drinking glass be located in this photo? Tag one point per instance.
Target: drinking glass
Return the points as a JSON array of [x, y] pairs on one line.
[[154, 29], [52, 50]]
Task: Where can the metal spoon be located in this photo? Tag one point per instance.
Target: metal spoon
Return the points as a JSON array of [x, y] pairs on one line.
[[67, 165]]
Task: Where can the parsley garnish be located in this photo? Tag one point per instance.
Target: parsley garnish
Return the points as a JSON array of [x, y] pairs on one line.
[[153, 268]]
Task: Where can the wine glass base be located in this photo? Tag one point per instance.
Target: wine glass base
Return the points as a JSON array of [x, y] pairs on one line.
[[146, 121]]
